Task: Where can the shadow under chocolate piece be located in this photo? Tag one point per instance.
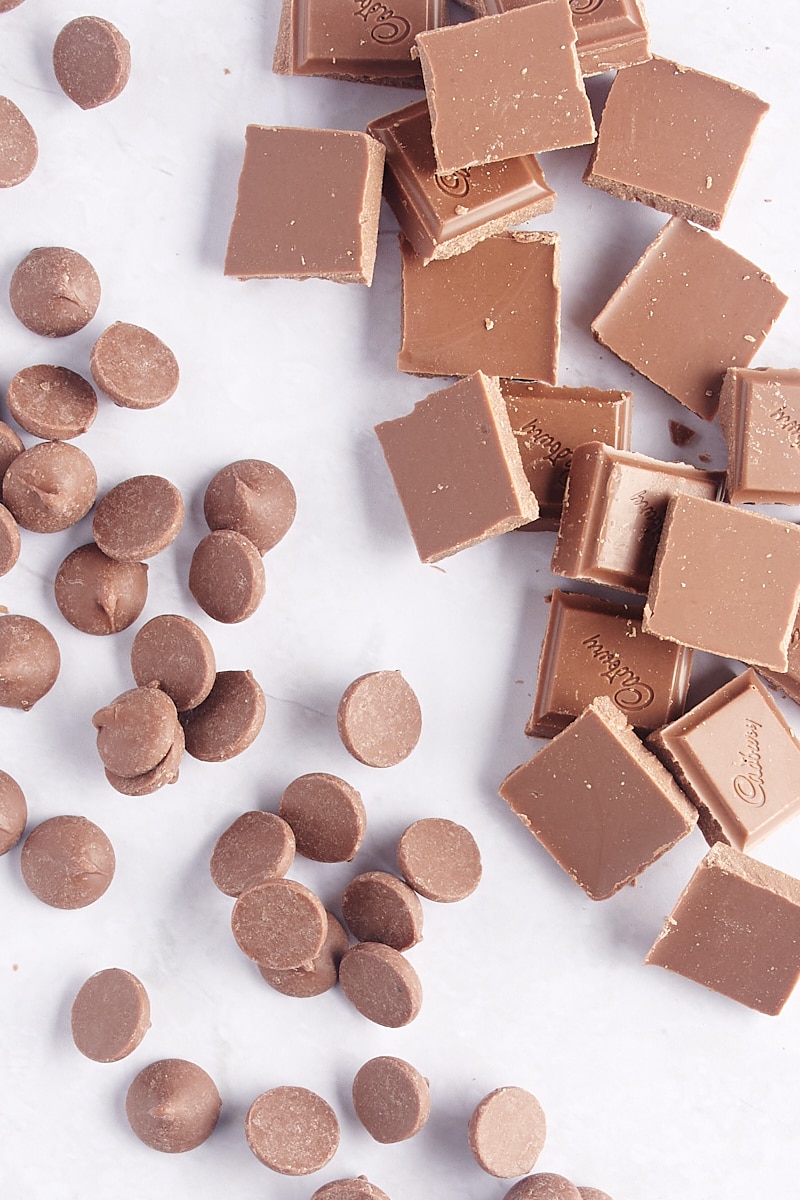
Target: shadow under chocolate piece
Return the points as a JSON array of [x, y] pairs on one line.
[[759, 411], [592, 647], [689, 309], [601, 804], [611, 33], [614, 509], [549, 422], [737, 759], [736, 930]]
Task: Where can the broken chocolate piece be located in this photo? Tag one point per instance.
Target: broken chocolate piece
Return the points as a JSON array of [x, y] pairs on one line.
[[612, 34]]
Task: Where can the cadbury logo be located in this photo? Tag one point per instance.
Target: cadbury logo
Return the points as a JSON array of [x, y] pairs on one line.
[[456, 184], [557, 453], [630, 694], [790, 426], [749, 785], [387, 27]]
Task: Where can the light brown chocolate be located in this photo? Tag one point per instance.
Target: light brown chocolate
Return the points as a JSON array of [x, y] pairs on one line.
[[174, 653], [67, 862], [10, 540], [164, 772], [507, 1132], [439, 859], [50, 486], [349, 1189], [254, 498], [7, 5], [92, 61], [379, 907], [379, 719], [279, 924], [592, 1193], [381, 984], [97, 594], [110, 1015], [317, 977], [54, 291], [788, 681], [13, 812], [134, 367], [228, 720], [680, 434], [327, 815], [173, 1105], [545, 1186], [52, 402], [759, 412], [391, 1098], [29, 661], [226, 576], [138, 518], [10, 446], [135, 732], [292, 1130], [257, 846], [19, 146]]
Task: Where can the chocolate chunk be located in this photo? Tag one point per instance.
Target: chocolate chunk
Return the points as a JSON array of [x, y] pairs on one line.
[[292, 1130], [789, 680], [257, 846], [495, 309], [439, 859], [13, 812], [134, 367], [736, 930], [226, 576], [279, 924], [174, 653], [138, 518], [29, 661], [110, 1015], [349, 1189], [67, 862], [50, 487], [379, 907], [98, 595], [457, 468], [602, 806], [173, 1105], [10, 540], [254, 498], [307, 206], [10, 446], [135, 732], [507, 1132], [392, 1100], [759, 411], [612, 34], [680, 434], [19, 147], [54, 291], [545, 1186], [381, 984], [92, 61], [379, 719], [312, 979], [327, 816], [228, 720], [157, 777], [52, 402]]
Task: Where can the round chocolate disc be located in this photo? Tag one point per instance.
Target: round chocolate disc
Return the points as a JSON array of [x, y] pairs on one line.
[[323, 972], [136, 731], [110, 1015], [392, 1100], [546, 1186], [150, 781], [379, 907], [10, 540], [292, 1130], [439, 859], [592, 1193], [67, 862], [19, 148], [507, 1132], [174, 653], [279, 924], [254, 498], [381, 984], [54, 291], [226, 576], [29, 661], [379, 719], [97, 594], [52, 402], [228, 720], [13, 812], [173, 1105], [50, 487], [134, 367], [257, 846], [349, 1189], [92, 61], [10, 446], [327, 816], [138, 518]]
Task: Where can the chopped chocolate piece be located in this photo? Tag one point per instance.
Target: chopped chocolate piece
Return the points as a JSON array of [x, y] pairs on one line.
[[150, 781], [254, 498], [381, 984], [10, 446], [379, 907], [504, 86], [50, 487], [690, 308], [257, 846], [19, 147], [349, 1189], [495, 309], [736, 757], [134, 367], [507, 1132], [110, 1015], [443, 215], [392, 1100], [327, 816], [29, 661], [279, 924], [674, 139], [716, 567], [173, 1105], [138, 518], [13, 812], [228, 720], [135, 731], [10, 540], [307, 206], [595, 648], [317, 977], [789, 680], [550, 422], [52, 402], [600, 803], [545, 1186], [292, 1130], [92, 61], [614, 509], [736, 930], [54, 291], [379, 719], [457, 468], [226, 576], [679, 434], [67, 862], [174, 653], [439, 859], [759, 411], [97, 594]]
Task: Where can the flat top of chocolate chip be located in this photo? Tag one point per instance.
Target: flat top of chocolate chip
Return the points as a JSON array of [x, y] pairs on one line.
[[67, 862], [50, 487], [52, 402], [173, 652], [592, 1193], [19, 148], [134, 367], [381, 984], [440, 859], [164, 772], [173, 1105], [257, 846], [97, 594], [327, 816], [349, 1189], [379, 907], [318, 977], [379, 719], [29, 661], [292, 1130], [391, 1098], [227, 577], [10, 540], [547, 1186], [110, 1015], [228, 720], [138, 518], [92, 61], [279, 924], [54, 291], [254, 498], [135, 731], [507, 1132], [10, 446], [13, 812]]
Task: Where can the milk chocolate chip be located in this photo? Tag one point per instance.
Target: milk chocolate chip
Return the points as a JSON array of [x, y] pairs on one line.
[[544, 1186], [392, 1100], [92, 61], [19, 148], [52, 402], [135, 732], [162, 773], [7, 5], [138, 518], [379, 907], [327, 816], [254, 498], [292, 1130], [349, 1189], [592, 1193], [134, 367], [507, 1132], [50, 487], [318, 977], [54, 291], [174, 653], [173, 1105], [10, 447], [98, 595], [279, 924], [29, 661], [381, 984], [379, 719], [257, 846], [67, 862], [110, 1015], [228, 720], [13, 812], [10, 540], [226, 577], [439, 859]]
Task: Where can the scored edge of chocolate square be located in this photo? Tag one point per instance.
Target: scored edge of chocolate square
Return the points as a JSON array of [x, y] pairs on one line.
[[741, 391]]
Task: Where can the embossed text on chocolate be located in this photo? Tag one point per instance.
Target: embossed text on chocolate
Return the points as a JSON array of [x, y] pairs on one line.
[[789, 424], [631, 694], [749, 785], [536, 435], [386, 26]]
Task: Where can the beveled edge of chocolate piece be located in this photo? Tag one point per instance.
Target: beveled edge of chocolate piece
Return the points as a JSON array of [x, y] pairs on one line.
[[612, 43], [735, 400]]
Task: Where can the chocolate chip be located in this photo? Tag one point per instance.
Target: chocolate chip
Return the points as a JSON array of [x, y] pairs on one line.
[[92, 61], [507, 1132], [392, 1100], [228, 720], [29, 661], [10, 540], [10, 446], [54, 291], [439, 859], [52, 402], [67, 862], [379, 719], [98, 595], [174, 653], [257, 846], [349, 1189], [226, 576], [150, 781], [327, 816], [13, 812], [545, 1186], [379, 907], [320, 975], [292, 1130], [135, 731], [173, 1105], [138, 518], [19, 148], [280, 924], [110, 1015], [50, 487], [381, 984], [592, 1193], [254, 498], [134, 367]]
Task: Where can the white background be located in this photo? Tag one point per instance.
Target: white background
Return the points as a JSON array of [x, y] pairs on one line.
[[654, 1088]]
